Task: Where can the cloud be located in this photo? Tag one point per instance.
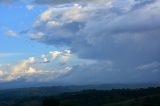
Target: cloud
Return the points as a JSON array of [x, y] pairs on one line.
[[155, 66], [10, 32], [107, 72], [77, 27], [124, 32], [29, 6], [23, 68], [63, 55], [1, 73], [45, 59], [47, 67], [110, 41]]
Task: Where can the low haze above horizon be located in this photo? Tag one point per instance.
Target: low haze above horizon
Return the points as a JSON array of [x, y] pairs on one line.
[[79, 41]]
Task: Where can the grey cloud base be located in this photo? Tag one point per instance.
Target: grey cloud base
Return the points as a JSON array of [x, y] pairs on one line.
[[127, 35], [121, 36]]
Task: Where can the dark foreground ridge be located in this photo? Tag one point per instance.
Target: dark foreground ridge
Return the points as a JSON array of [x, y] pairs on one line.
[[89, 97]]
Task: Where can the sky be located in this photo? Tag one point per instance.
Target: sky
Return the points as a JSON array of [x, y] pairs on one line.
[[79, 41]]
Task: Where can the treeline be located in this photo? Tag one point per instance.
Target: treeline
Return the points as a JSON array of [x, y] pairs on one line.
[[114, 97], [99, 98]]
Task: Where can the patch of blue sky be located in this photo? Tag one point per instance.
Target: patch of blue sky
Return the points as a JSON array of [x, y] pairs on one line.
[[18, 18]]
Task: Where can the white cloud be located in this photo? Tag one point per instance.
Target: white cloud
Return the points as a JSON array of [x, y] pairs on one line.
[[126, 32], [123, 31], [21, 69], [44, 68], [36, 35], [29, 6], [90, 28], [54, 24], [62, 56], [74, 13], [1, 74], [55, 54], [47, 15], [44, 59], [150, 67], [57, 16], [11, 33]]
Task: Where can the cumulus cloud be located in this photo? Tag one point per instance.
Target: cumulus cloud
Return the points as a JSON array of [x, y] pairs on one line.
[[125, 32], [120, 36], [47, 67], [77, 26], [22, 68]]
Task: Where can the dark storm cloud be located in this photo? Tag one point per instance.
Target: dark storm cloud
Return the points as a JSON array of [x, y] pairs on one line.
[[124, 32], [107, 31], [121, 36], [105, 72]]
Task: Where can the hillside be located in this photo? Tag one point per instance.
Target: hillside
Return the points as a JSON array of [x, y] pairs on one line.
[[153, 100], [92, 97]]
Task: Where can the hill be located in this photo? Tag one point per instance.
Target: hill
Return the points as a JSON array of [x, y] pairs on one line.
[[153, 100], [89, 97]]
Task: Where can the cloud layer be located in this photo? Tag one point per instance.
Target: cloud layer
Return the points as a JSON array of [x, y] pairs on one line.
[[120, 36], [124, 32], [44, 68]]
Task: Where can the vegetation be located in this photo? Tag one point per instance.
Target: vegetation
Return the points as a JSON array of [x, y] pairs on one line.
[[153, 100], [114, 97]]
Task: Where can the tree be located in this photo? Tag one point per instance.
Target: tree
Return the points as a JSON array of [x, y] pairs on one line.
[[50, 101]]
